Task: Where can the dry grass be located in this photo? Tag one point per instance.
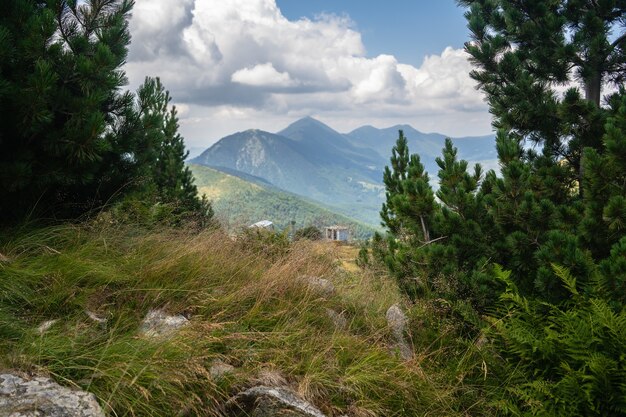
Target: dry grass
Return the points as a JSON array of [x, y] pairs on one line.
[[246, 308]]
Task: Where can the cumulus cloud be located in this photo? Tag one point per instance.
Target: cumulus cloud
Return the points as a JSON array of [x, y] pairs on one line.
[[263, 75], [244, 54]]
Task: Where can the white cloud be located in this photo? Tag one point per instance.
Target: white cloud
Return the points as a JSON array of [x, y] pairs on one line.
[[244, 58], [263, 75]]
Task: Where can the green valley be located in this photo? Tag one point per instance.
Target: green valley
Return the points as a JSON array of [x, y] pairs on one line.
[[240, 201]]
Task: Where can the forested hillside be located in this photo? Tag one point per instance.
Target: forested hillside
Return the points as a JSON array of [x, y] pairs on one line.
[[239, 203]]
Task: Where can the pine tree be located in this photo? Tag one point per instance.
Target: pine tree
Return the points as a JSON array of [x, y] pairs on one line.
[[70, 138], [61, 98], [410, 200], [163, 153], [525, 49], [407, 214]]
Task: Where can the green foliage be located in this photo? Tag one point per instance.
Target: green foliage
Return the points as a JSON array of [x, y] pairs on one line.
[[558, 202], [70, 139], [309, 232], [568, 359], [409, 197], [429, 240], [524, 49], [239, 202], [546, 206], [61, 102]]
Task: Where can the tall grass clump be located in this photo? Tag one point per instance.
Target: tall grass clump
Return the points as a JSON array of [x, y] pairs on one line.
[[247, 303]]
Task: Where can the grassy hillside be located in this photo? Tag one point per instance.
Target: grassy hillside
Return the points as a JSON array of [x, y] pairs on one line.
[[238, 203], [246, 307], [309, 159]]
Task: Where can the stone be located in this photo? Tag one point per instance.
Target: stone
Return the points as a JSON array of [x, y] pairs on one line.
[[263, 401], [93, 316], [160, 324], [320, 285], [46, 325], [219, 369], [42, 397], [339, 319], [397, 322]]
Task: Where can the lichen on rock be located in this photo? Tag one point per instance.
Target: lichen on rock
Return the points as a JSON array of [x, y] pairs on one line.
[[263, 401], [39, 397]]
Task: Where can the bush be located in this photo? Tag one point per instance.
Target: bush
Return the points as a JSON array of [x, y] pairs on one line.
[[267, 243], [309, 232]]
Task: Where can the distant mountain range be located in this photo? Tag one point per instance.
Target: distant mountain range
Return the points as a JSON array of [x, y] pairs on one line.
[[342, 171], [428, 145]]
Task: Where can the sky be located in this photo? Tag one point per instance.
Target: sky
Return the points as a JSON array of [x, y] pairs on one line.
[[232, 65]]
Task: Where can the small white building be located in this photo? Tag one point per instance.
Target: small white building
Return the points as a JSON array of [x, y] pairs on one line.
[[337, 233], [263, 224]]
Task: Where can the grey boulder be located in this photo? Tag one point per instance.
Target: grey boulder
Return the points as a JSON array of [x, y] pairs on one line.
[[265, 401], [397, 322], [39, 397], [157, 323], [320, 285]]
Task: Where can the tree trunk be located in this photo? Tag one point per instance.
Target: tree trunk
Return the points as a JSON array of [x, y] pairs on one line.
[[425, 230], [593, 88]]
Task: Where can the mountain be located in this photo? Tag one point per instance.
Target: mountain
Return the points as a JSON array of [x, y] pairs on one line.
[[325, 146], [428, 145], [342, 171], [262, 154], [310, 159], [240, 200]]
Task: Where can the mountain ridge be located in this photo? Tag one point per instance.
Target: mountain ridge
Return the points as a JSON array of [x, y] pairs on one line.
[[342, 171]]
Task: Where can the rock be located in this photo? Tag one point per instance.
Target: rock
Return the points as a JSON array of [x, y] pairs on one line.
[[339, 319], [397, 321], [219, 369], [93, 316], [45, 326], [159, 324], [265, 401], [39, 397], [321, 285]]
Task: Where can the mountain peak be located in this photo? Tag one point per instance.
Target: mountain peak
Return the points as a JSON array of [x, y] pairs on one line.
[[307, 122]]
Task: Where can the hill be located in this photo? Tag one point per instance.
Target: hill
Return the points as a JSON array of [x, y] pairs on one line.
[[179, 323], [240, 200]]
